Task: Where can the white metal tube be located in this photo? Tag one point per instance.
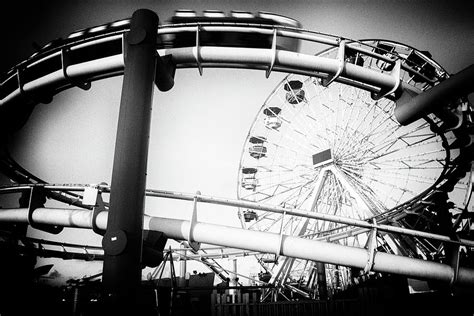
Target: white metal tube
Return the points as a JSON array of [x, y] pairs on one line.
[[412, 109], [217, 55], [257, 241], [287, 59], [365, 225], [85, 70], [49, 79], [97, 67], [301, 213]]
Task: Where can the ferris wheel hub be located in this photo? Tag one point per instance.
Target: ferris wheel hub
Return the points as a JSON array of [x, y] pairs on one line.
[[322, 158]]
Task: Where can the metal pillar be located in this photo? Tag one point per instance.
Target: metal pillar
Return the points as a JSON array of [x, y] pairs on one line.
[[234, 272], [457, 86], [123, 239], [234, 279], [183, 266], [321, 281]]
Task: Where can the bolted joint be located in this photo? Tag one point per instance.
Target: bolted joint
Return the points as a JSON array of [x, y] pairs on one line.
[[114, 242], [136, 36], [142, 20], [36, 199]]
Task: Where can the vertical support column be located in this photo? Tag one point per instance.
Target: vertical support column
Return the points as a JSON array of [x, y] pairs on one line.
[[183, 266], [322, 284], [233, 281], [122, 241]]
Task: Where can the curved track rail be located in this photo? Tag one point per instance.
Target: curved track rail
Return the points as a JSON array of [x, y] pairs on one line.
[[284, 245]]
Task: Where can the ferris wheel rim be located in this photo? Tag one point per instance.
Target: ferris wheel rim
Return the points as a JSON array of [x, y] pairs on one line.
[[418, 196]]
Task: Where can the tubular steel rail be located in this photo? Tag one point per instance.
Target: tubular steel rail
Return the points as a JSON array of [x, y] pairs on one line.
[[289, 246]]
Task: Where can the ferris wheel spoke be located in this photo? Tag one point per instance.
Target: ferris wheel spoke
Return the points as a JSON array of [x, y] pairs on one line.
[[389, 174], [301, 122], [286, 190], [368, 209], [382, 186], [407, 152], [410, 138], [389, 139]]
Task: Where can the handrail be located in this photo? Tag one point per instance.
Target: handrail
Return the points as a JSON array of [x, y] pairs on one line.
[[367, 224], [114, 67]]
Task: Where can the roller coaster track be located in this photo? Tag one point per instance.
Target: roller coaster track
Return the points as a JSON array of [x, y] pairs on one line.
[[57, 67]]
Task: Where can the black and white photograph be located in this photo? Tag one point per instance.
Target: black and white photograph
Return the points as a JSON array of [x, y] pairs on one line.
[[241, 158]]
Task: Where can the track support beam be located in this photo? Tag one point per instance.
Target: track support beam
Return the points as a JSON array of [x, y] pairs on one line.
[[410, 109], [122, 241]]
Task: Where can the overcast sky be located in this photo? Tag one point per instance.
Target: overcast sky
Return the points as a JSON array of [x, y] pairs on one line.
[[198, 128]]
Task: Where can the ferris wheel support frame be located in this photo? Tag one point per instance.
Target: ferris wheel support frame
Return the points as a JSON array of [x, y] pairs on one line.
[[240, 238], [287, 265]]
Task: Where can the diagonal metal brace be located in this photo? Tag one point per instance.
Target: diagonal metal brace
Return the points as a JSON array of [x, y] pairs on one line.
[[37, 200], [193, 244], [98, 207], [395, 74], [341, 59], [31, 97], [454, 256], [197, 52], [165, 70], [66, 61], [273, 52], [280, 239], [371, 246]]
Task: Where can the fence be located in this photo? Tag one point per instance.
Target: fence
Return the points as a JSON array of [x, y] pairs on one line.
[[246, 304]]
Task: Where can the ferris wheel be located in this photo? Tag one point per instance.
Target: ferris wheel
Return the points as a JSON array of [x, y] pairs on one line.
[[335, 149]]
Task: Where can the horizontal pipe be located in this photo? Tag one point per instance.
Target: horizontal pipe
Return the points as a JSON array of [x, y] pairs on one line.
[[267, 242], [55, 77], [96, 250], [97, 67], [85, 71], [365, 225], [227, 55], [306, 214], [459, 85], [15, 188], [287, 59]]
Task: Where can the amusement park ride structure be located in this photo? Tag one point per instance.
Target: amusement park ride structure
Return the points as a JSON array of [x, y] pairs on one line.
[[360, 158]]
